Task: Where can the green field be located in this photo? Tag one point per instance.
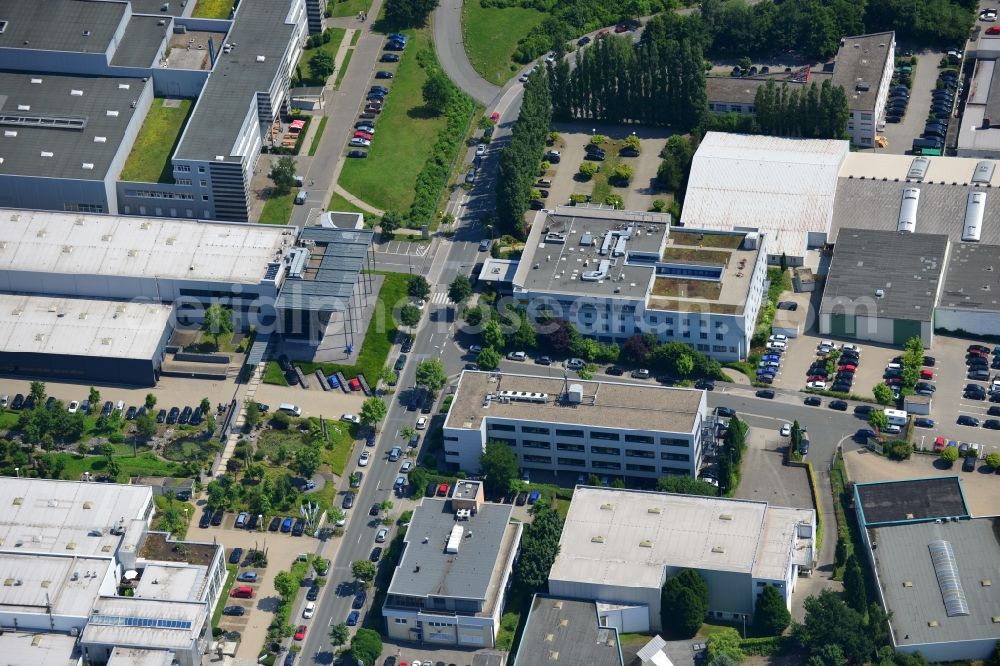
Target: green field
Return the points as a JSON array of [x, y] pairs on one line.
[[336, 36], [347, 7], [406, 136], [342, 72], [491, 36], [216, 9], [339, 203], [277, 210], [149, 161], [224, 594], [145, 464]]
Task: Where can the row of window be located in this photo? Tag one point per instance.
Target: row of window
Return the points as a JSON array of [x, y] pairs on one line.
[[598, 464], [629, 438], [599, 451], [154, 194], [186, 168], [83, 208]]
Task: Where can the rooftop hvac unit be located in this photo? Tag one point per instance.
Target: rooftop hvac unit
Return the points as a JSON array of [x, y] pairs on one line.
[[454, 539], [751, 240], [575, 394]]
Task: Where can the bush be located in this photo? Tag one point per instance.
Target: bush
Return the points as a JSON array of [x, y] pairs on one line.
[[622, 174], [949, 455], [615, 200], [588, 170], [899, 450], [659, 205], [598, 139], [993, 460]]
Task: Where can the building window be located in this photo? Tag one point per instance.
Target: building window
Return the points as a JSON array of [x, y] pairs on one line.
[[605, 450], [182, 168], [201, 169], [641, 468], [703, 336], [720, 336], [575, 448], [738, 108], [639, 439], [572, 462], [679, 457], [636, 453], [504, 440], [673, 441], [204, 183], [610, 436], [204, 197], [719, 348], [451, 453], [535, 444], [83, 208], [400, 620], [534, 430], [702, 347], [502, 427], [184, 181], [542, 460], [600, 464], [732, 350], [686, 334], [560, 432]]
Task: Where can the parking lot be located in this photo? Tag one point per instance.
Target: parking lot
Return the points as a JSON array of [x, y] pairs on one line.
[[765, 478], [901, 135]]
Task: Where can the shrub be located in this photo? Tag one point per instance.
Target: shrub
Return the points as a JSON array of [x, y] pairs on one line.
[[659, 205], [597, 139], [949, 455], [993, 460], [899, 450], [615, 200], [588, 170], [622, 173]]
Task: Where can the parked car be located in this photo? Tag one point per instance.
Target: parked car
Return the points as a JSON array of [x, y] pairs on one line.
[[839, 405], [357, 154], [246, 576], [383, 74], [966, 420], [767, 394], [359, 600], [234, 611], [640, 373], [217, 517], [352, 620]]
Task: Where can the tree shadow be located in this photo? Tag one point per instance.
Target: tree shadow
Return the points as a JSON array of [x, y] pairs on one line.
[[422, 113]]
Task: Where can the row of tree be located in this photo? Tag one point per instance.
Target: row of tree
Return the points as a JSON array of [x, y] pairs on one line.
[[521, 158], [734, 446], [660, 83], [816, 112]]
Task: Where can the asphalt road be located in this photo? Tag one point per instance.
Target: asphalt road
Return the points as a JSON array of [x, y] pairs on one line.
[[450, 47]]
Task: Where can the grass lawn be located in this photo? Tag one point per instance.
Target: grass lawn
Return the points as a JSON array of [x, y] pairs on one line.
[[224, 597], [339, 203], [491, 36], [145, 464], [378, 338], [355, 38], [149, 161], [274, 375], [347, 7], [336, 36], [343, 68], [217, 9], [318, 135], [602, 188], [406, 136], [191, 448], [278, 210]]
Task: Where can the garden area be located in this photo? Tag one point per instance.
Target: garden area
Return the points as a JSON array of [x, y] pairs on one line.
[[491, 35], [317, 61], [149, 161], [278, 209], [213, 9]]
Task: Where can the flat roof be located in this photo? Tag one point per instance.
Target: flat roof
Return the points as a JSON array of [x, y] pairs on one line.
[[498, 270], [48, 516], [81, 327], [743, 89], [426, 570], [173, 625], [64, 126], [140, 657], [944, 170], [68, 582], [262, 34], [941, 210], [336, 259], [613, 405], [569, 631], [143, 37], [972, 278], [911, 500], [51, 649], [909, 275], [562, 263], [782, 187], [113, 245], [625, 538], [910, 585], [980, 122], [862, 59], [178, 581], [75, 26]]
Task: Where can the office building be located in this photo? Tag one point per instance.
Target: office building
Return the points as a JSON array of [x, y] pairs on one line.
[[567, 630], [863, 67], [575, 426]]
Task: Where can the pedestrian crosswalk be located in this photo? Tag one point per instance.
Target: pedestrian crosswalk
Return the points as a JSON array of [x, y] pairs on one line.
[[439, 297]]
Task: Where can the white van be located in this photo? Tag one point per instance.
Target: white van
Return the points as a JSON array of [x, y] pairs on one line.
[[289, 408], [896, 416]]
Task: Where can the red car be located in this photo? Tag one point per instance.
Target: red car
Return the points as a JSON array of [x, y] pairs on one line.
[[939, 444], [300, 634], [354, 384], [926, 374], [621, 27], [362, 135], [603, 33], [443, 490], [847, 367], [495, 118], [993, 30]]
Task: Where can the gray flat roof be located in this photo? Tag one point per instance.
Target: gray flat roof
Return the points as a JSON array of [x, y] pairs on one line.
[[79, 26], [906, 266], [862, 59], [176, 8], [91, 244], [81, 327], [100, 108], [567, 630], [143, 37], [911, 500], [972, 279], [613, 405], [140, 657], [32, 647], [180, 623], [909, 584], [261, 37], [337, 258], [980, 124], [743, 90], [426, 570], [66, 581]]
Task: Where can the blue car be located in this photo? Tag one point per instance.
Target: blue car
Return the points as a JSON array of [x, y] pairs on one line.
[[770, 357], [352, 618], [925, 423], [767, 371], [286, 525]]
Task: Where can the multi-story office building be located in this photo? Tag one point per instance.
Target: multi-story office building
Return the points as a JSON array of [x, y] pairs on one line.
[[583, 427], [864, 67]]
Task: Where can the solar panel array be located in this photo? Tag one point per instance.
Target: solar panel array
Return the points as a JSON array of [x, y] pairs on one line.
[[946, 569], [144, 622]]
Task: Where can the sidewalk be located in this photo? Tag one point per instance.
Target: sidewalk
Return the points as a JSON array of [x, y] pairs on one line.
[[363, 205]]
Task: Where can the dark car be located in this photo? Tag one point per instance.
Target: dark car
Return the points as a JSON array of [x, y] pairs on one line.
[[395, 46], [791, 306], [376, 554], [130, 413], [217, 517], [969, 464], [400, 363], [596, 157], [813, 401], [615, 371], [839, 405], [840, 387], [313, 593], [389, 57], [18, 402], [234, 555], [161, 416], [428, 404], [196, 416], [992, 424], [583, 41], [863, 410], [968, 421], [628, 152], [275, 524], [383, 74], [543, 360], [863, 434], [375, 510], [236, 611], [359, 600], [286, 525], [185, 416], [407, 344], [172, 415], [106, 409], [768, 394], [352, 620], [251, 524], [705, 384], [725, 412], [290, 658], [358, 154], [49, 402], [522, 498], [206, 519], [924, 422]]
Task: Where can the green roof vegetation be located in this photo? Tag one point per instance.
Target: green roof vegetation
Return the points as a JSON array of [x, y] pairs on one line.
[[682, 288], [215, 9], [695, 255], [727, 241], [149, 161]]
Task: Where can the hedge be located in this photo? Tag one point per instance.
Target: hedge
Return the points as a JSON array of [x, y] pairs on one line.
[[763, 647], [814, 489]]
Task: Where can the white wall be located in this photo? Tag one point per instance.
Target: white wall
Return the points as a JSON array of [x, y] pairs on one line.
[[979, 322], [626, 619], [648, 598]]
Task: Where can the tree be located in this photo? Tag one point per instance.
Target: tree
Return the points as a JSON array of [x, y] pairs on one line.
[[993, 460], [373, 410], [367, 644], [94, 398], [771, 616], [632, 141], [321, 66], [437, 91], [407, 432], [588, 170], [539, 545], [409, 315], [829, 621], [391, 220], [339, 634], [685, 485], [460, 289], [829, 655], [724, 644], [150, 401], [285, 585], [252, 414], [431, 375], [492, 335], [524, 337], [622, 173], [418, 287], [878, 420], [364, 570], [882, 393], [283, 175], [204, 405], [217, 321], [949, 455], [306, 461], [488, 359], [684, 602], [684, 365], [418, 480], [498, 465], [37, 393], [145, 426], [855, 593]]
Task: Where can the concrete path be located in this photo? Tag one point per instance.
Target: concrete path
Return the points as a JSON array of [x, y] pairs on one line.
[[244, 392], [363, 205], [450, 46]]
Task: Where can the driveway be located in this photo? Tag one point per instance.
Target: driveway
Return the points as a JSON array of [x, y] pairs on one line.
[[450, 47], [765, 478], [901, 135], [644, 189]]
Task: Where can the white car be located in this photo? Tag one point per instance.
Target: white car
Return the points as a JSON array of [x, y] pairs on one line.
[[363, 460], [421, 423], [777, 345], [308, 611], [786, 430], [817, 385], [516, 356], [854, 348], [551, 57], [407, 466], [481, 149], [73, 407], [350, 418], [342, 521], [827, 343], [778, 337], [575, 364], [382, 535], [475, 349], [421, 304], [358, 141]]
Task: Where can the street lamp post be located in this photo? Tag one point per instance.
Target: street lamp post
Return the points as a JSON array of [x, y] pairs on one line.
[[17, 470]]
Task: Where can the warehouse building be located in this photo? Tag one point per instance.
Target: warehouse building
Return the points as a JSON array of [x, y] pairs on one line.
[[970, 294], [979, 131], [934, 565], [615, 274], [451, 584], [83, 564], [779, 188], [567, 630], [579, 427], [884, 296], [618, 547]]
